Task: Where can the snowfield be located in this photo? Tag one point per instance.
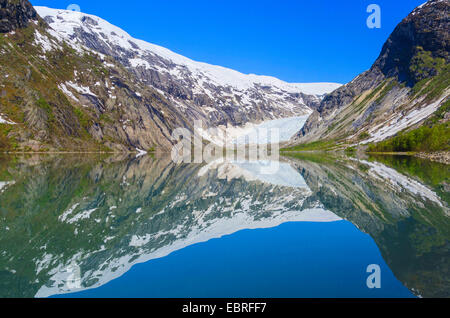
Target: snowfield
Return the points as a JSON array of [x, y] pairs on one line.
[[66, 22], [401, 122]]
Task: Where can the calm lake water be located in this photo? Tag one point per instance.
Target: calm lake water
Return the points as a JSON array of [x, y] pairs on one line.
[[112, 226]]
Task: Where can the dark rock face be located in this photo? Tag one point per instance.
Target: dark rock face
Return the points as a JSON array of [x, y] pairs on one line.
[[426, 29], [15, 14]]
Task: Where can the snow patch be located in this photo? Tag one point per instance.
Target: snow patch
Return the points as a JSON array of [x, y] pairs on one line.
[[66, 22], [81, 216], [140, 152], [400, 122], [5, 121]]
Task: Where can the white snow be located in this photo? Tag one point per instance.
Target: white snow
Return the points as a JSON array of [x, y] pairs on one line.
[[287, 128], [140, 62], [401, 122], [80, 89], [43, 41], [81, 216], [69, 211], [5, 184], [68, 93], [65, 22], [5, 121], [140, 152], [137, 241]]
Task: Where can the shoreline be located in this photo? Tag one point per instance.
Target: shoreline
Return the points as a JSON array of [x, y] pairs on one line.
[[438, 156]]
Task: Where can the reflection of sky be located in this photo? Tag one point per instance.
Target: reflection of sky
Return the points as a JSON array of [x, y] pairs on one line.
[[292, 260]]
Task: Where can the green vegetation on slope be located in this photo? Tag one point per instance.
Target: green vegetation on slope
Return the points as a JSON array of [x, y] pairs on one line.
[[436, 85], [313, 146], [424, 65], [426, 139], [434, 135]]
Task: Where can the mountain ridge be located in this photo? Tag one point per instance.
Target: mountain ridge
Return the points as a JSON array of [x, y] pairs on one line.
[[58, 98], [214, 94], [66, 88], [409, 78]]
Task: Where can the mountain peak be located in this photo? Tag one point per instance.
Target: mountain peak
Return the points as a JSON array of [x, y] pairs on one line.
[[406, 85], [15, 14], [217, 95], [424, 29]]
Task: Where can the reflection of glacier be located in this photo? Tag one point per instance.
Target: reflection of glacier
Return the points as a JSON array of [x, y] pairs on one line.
[[270, 172], [224, 199], [261, 134], [82, 223]]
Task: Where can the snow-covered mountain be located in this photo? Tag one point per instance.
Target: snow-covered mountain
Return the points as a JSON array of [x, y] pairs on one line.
[[76, 82], [215, 94]]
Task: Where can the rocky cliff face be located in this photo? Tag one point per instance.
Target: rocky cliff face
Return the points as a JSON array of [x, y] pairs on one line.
[[15, 14], [59, 97], [425, 29], [410, 74]]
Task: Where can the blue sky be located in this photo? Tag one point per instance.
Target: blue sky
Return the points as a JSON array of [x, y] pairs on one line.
[[294, 40]]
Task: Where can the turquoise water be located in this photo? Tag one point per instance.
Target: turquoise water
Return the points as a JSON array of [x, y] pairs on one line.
[[146, 227]]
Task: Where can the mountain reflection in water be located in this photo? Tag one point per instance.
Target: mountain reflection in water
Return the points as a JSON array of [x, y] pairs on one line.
[[70, 224]]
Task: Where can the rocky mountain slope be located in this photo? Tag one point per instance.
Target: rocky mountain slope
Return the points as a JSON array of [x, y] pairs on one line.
[[60, 97], [73, 82], [21, 10], [408, 82], [214, 94]]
